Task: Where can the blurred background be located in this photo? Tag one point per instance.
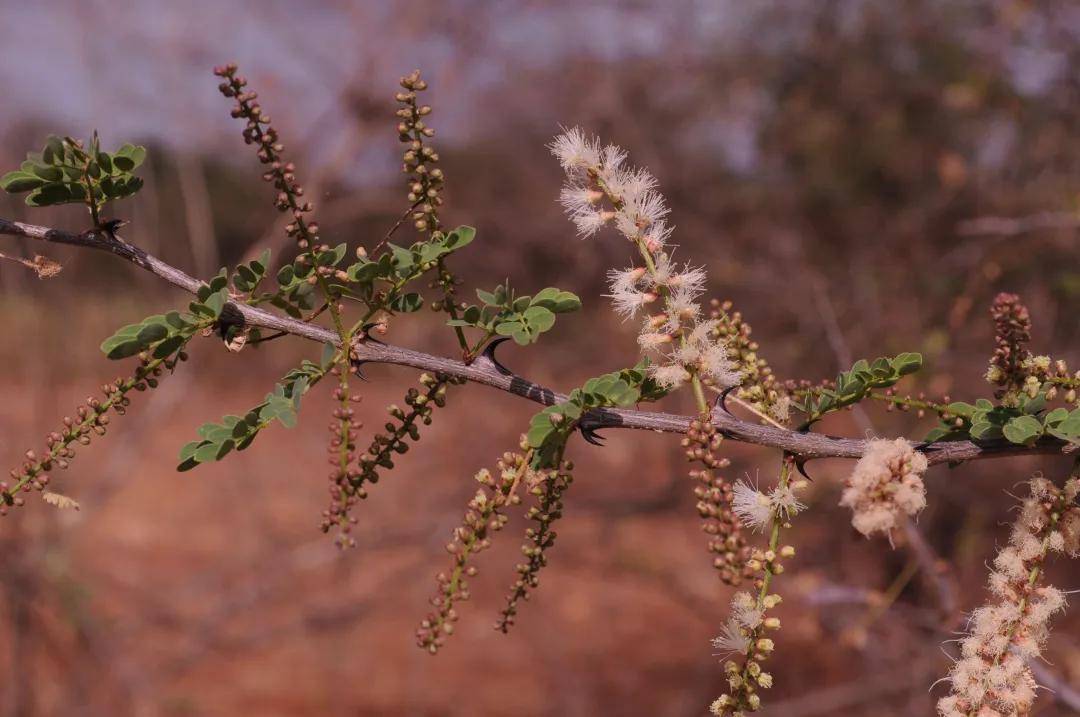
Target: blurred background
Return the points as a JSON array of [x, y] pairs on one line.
[[860, 176]]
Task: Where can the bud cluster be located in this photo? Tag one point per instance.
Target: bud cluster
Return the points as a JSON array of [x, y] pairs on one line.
[[547, 486], [426, 184], [714, 497], [420, 159], [482, 519], [1012, 332], [91, 420], [348, 489], [759, 386], [260, 132]]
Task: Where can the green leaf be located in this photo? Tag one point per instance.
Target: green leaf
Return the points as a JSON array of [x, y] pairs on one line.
[[151, 333], [906, 363], [1056, 416], [128, 157], [1023, 429], [407, 303], [50, 194], [563, 302], [1071, 425], [460, 237], [216, 301], [169, 346], [985, 431], [959, 408], [54, 150], [539, 318], [45, 171], [20, 181], [328, 353], [508, 328]]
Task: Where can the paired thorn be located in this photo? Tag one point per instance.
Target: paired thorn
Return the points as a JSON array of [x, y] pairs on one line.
[[489, 354], [588, 432], [110, 227]]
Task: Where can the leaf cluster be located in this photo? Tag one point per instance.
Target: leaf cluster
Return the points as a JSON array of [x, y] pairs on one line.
[[522, 318], [216, 440], [64, 173], [855, 384], [1023, 424], [161, 334]]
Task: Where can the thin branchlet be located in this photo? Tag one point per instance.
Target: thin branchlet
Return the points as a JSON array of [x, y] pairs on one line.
[[91, 420], [350, 485], [546, 485], [746, 634], [341, 452], [484, 516]]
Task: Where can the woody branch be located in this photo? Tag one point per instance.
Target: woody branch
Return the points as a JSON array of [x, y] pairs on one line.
[[487, 372]]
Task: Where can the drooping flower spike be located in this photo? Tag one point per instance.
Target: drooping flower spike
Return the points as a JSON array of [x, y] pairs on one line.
[[601, 190]]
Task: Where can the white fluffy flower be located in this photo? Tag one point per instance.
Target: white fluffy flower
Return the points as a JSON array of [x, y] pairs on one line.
[[716, 365], [630, 185], [784, 503], [745, 616], [576, 152], [885, 485], [669, 376], [731, 639], [753, 507]]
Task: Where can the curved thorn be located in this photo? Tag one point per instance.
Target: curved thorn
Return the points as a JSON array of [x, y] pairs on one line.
[[365, 330], [721, 400], [489, 354], [357, 363], [591, 436], [800, 465]]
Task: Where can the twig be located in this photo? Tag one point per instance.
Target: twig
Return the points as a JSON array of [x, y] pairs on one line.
[[1008, 226]]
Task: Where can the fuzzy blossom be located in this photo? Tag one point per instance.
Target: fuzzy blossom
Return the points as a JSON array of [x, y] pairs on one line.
[[885, 485], [746, 616], [601, 189], [576, 152], [592, 173], [757, 509], [752, 506], [991, 676]]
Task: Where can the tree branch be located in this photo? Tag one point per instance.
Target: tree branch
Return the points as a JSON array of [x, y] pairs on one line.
[[485, 371]]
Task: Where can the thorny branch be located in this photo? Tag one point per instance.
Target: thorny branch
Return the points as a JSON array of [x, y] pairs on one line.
[[484, 370]]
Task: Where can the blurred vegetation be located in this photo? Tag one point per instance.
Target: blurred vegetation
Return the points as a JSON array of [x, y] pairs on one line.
[[824, 160]]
